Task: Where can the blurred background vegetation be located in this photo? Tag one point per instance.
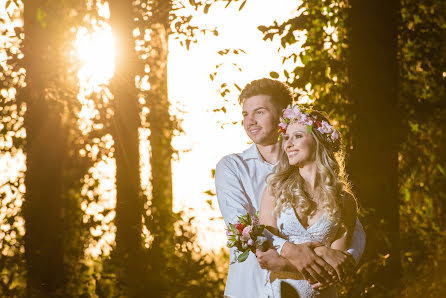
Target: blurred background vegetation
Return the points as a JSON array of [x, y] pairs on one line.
[[377, 67]]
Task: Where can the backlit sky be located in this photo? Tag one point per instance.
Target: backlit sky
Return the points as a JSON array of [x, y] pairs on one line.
[[189, 83]]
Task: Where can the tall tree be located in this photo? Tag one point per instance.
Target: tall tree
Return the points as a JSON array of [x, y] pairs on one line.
[[376, 132], [161, 131], [126, 121], [46, 147]]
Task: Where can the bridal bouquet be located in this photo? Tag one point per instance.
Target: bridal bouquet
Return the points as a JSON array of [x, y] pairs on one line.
[[246, 235]]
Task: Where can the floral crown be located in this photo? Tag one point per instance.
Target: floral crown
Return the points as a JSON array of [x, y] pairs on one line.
[[294, 114]]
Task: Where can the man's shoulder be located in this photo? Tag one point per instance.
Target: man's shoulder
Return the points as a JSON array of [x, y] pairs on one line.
[[229, 161], [236, 158]]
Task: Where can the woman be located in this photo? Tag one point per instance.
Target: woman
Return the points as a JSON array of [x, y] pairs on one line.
[[307, 197]]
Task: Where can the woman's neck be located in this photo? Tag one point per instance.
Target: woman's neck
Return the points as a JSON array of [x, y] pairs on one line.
[[308, 173], [270, 153]]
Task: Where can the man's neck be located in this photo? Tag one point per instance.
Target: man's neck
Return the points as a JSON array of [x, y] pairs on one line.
[[270, 153]]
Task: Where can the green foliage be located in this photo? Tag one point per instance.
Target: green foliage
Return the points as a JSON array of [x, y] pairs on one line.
[[422, 155], [320, 67]]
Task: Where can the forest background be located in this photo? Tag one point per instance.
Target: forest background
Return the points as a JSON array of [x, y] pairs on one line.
[[86, 185]]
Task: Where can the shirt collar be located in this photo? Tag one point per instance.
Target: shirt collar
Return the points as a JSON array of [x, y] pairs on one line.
[[253, 153]]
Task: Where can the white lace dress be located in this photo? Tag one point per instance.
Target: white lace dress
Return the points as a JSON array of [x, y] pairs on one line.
[[281, 285]]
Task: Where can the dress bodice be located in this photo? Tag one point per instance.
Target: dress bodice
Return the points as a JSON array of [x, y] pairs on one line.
[[289, 226]]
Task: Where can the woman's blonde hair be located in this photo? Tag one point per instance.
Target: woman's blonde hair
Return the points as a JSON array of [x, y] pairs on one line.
[[288, 187]]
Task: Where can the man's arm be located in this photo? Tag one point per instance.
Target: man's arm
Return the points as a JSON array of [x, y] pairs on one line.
[[341, 259], [357, 245], [231, 196]]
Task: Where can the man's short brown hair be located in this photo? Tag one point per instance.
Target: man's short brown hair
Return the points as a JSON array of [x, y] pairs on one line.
[[280, 93]]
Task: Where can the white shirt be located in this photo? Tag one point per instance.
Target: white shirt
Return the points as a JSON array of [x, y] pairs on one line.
[[239, 181]]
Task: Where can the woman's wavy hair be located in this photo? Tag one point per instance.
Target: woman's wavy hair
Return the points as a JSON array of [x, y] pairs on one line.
[[288, 187]]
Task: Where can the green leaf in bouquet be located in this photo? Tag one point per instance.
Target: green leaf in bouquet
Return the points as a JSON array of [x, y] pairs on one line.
[[243, 256]]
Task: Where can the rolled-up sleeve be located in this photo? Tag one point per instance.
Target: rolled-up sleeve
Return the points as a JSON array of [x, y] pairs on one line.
[[358, 242]]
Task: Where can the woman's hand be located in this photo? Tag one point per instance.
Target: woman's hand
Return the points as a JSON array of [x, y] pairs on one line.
[[272, 261]]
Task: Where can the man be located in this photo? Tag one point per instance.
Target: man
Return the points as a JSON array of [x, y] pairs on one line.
[[240, 181]]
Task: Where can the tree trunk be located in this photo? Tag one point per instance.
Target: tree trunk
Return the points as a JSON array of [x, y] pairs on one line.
[[45, 148], [129, 204], [376, 129], [161, 127]]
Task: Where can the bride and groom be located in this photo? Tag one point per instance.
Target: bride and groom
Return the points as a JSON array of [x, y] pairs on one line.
[[299, 187]]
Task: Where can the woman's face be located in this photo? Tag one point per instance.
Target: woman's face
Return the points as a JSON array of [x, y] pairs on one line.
[[299, 145]]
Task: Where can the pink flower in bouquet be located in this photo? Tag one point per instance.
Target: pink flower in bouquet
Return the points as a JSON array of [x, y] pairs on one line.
[[246, 234], [229, 233], [255, 221]]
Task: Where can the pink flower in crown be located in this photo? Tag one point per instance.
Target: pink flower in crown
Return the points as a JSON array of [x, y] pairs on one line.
[[289, 113], [306, 119], [325, 127], [246, 234], [335, 135], [282, 124], [297, 112]]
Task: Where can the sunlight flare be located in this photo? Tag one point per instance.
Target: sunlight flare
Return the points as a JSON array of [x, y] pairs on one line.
[[96, 52]]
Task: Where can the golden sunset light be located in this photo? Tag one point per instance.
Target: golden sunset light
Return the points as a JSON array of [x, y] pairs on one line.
[[198, 149], [120, 123]]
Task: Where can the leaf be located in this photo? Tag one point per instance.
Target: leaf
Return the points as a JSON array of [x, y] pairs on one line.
[[7, 4], [262, 28], [210, 192], [243, 256], [206, 8], [440, 168], [241, 6], [274, 75]]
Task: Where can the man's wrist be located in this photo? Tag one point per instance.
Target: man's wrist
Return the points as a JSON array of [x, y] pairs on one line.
[[352, 252]]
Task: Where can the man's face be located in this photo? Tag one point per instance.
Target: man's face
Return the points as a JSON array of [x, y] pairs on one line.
[[260, 119]]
